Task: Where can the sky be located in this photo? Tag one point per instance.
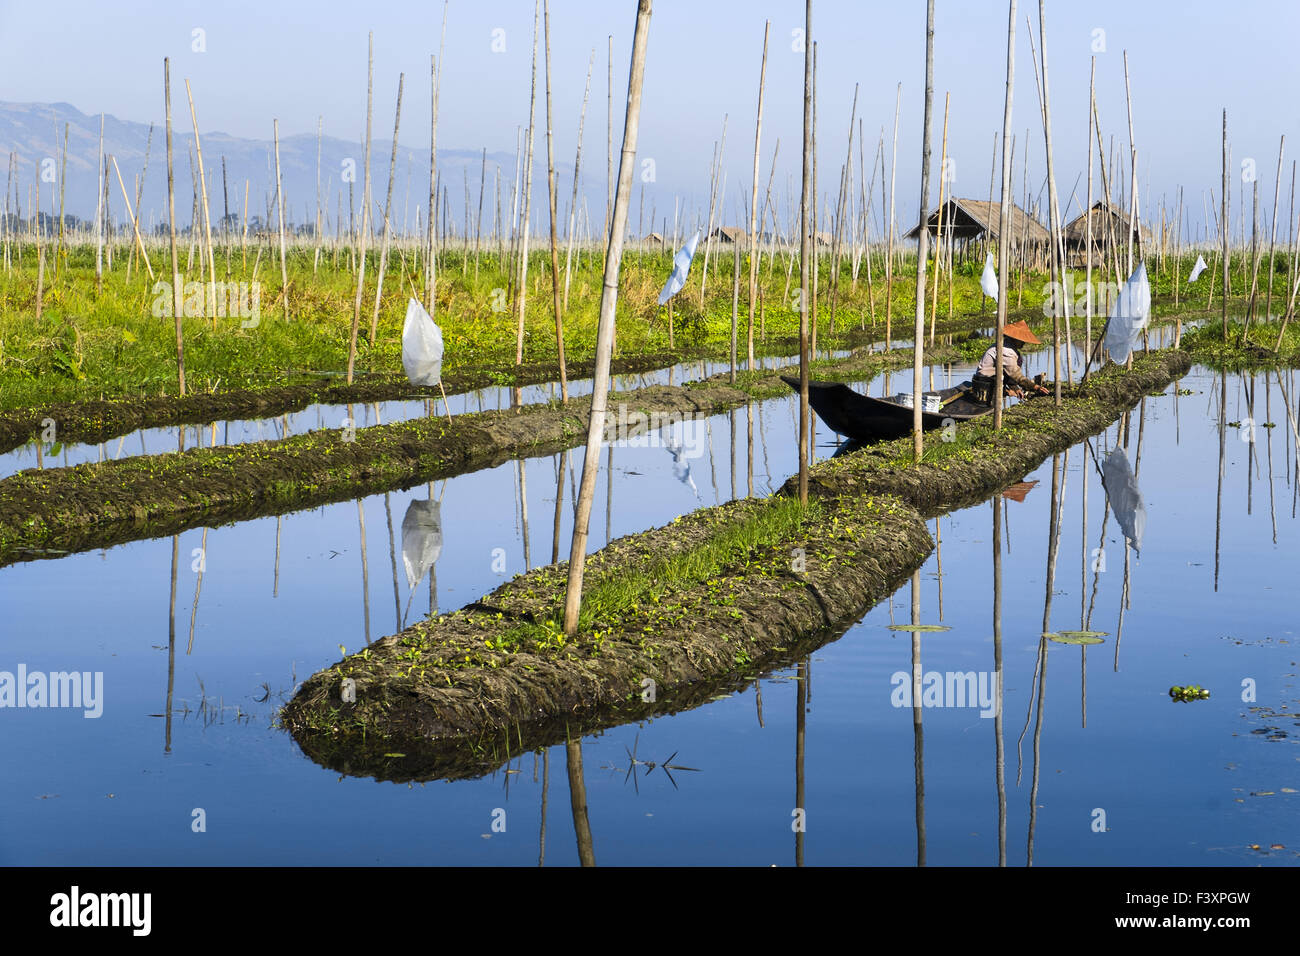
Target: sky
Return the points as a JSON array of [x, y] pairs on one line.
[[250, 63]]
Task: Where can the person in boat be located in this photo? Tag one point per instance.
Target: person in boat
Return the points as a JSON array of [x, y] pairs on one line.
[[1014, 381]]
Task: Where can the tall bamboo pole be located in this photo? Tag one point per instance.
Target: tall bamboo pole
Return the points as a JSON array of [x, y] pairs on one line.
[[521, 292], [1223, 228], [923, 238], [938, 237], [753, 200], [99, 212], [279, 189], [889, 248], [804, 244], [1272, 241], [203, 185], [388, 202], [551, 188], [577, 166], [171, 229], [605, 331], [1004, 236], [365, 211], [1053, 209]]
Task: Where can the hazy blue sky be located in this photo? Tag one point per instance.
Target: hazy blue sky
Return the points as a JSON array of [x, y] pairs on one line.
[[296, 61]]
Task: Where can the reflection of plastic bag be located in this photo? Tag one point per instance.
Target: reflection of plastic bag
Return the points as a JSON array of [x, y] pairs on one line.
[[421, 539], [1129, 316], [421, 346], [1125, 497], [989, 280]]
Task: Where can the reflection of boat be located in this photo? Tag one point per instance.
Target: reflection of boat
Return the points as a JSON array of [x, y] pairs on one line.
[[866, 419], [1019, 490]]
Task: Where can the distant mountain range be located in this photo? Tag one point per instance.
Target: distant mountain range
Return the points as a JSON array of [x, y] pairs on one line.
[[34, 134]]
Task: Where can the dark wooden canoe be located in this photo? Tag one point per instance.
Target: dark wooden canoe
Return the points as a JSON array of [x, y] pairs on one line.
[[866, 419]]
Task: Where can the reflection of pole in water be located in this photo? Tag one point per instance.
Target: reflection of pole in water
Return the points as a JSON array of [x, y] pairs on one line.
[[392, 554], [171, 646], [523, 506], [713, 464], [560, 460], [918, 736], [749, 437], [938, 559], [578, 802], [609, 492], [1218, 501], [800, 734], [1268, 416], [998, 750], [365, 569], [546, 786], [198, 588], [1038, 738], [731, 421]]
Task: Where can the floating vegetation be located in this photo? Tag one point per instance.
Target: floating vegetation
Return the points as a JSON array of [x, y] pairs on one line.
[[919, 627], [1189, 693], [1076, 637]]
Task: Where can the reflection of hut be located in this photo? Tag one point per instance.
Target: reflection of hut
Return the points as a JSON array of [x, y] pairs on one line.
[[1108, 221], [728, 234], [971, 221]]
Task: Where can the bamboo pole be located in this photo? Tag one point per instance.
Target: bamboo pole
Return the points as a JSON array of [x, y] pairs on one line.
[[922, 239], [135, 220], [203, 186], [1053, 207], [521, 290], [1223, 227], [938, 237], [177, 310], [1004, 236], [279, 190], [605, 331], [753, 201], [99, 213], [889, 247], [804, 243], [365, 211], [1272, 241], [577, 166], [388, 203], [551, 189]]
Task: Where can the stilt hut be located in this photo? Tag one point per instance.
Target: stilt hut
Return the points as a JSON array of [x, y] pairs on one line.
[[975, 224], [1110, 224]]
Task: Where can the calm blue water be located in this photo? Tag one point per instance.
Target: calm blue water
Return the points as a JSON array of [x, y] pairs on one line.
[[1178, 783]]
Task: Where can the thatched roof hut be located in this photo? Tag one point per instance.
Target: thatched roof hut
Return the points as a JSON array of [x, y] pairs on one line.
[[970, 219], [1106, 218], [728, 234], [654, 239]]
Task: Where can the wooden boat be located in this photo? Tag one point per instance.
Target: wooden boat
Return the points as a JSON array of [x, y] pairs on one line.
[[866, 419]]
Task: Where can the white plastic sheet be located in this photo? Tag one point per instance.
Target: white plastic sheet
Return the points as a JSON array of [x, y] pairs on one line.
[[681, 266], [1129, 315], [1197, 269], [421, 346], [989, 280]]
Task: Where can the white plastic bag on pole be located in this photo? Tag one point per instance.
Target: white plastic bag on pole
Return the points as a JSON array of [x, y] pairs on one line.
[[681, 266], [1129, 316], [1197, 269], [989, 280], [421, 346]]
